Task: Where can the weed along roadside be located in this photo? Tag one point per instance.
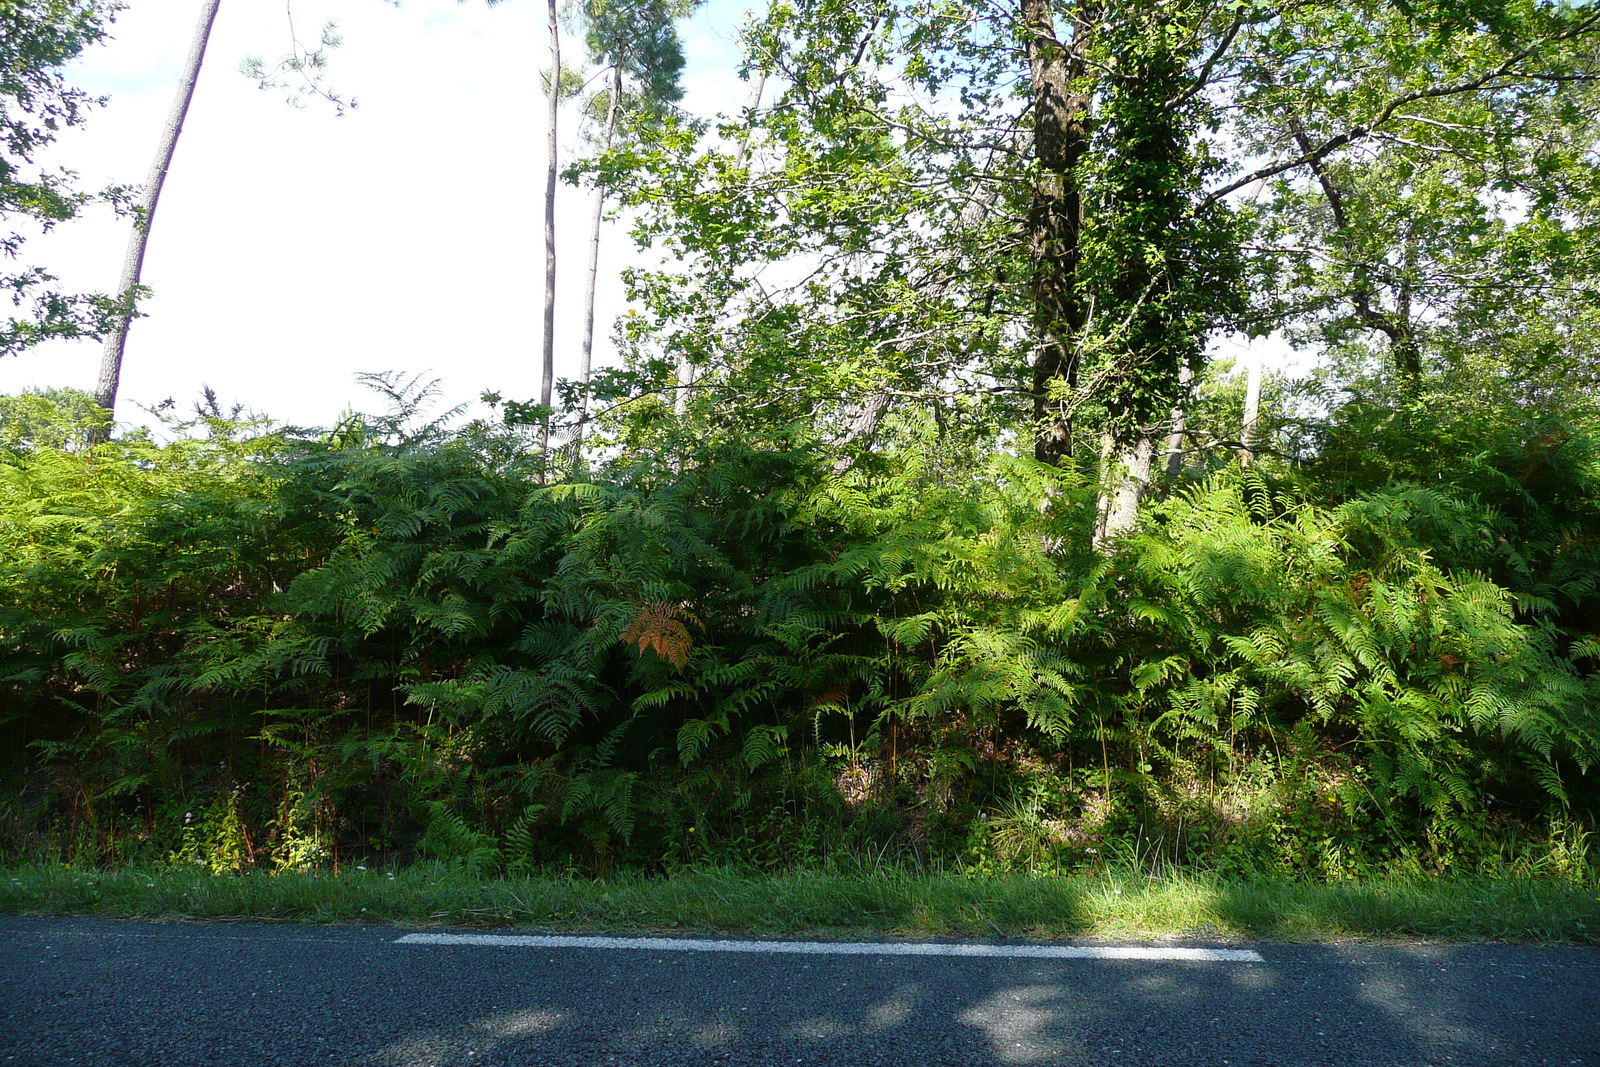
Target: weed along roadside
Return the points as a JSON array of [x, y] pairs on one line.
[[842, 905], [394, 676], [737, 664]]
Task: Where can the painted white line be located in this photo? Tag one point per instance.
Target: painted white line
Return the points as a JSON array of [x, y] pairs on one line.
[[857, 948]]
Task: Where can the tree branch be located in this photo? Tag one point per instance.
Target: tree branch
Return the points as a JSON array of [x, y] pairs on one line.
[[1317, 153]]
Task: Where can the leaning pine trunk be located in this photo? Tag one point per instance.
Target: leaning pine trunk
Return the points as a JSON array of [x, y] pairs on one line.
[[133, 264]]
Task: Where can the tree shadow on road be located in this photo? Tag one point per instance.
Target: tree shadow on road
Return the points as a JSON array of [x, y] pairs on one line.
[[1314, 1005], [145, 993]]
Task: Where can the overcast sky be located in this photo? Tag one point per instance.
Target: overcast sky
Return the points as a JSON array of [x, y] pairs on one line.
[[293, 249]]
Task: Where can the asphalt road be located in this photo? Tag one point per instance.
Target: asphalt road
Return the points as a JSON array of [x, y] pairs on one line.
[[99, 992]]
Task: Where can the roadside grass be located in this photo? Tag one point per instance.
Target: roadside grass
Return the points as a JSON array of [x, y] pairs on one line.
[[873, 903]]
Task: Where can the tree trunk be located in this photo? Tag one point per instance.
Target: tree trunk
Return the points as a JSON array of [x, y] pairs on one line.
[[594, 256], [133, 263], [1150, 301], [552, 174], [1252, 412], [1180, 420], [1124, 472], [1055, 218], [1403, 342]]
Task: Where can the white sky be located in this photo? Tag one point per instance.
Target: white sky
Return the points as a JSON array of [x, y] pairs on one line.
[[293, 249]]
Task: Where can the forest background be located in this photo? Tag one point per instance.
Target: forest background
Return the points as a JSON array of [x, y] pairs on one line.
[[914, 521]]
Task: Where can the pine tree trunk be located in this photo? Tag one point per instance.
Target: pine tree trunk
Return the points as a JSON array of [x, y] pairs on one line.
[[552, 174], [133, 263], [594, 257]]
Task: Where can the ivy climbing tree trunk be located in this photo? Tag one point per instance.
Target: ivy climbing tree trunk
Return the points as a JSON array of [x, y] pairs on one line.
[[1113, 305], [1159, 273], [133, 263], [1055, 219]]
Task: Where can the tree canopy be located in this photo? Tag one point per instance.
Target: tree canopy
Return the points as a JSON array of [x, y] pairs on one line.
[[1040, 215], [37, 39]]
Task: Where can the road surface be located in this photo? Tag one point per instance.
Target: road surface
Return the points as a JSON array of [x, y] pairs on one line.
[[104, 993]]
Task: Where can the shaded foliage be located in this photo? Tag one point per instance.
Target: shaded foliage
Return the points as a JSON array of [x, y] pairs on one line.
[[277, 649]]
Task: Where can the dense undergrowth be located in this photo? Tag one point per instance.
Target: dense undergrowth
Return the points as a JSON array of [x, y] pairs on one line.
[[274, 650]]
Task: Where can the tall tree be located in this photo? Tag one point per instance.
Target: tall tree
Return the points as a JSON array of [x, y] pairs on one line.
[[1156, 274], [638, 47], [116, 340], [38, 38], [552, 174], [555, 86]]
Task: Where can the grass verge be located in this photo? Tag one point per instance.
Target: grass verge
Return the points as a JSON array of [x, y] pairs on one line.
[[840, 905]]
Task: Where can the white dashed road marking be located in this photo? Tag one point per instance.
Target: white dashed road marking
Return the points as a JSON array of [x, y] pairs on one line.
[[857, 948]]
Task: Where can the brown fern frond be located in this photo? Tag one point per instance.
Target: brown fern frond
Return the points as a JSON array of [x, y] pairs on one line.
[[656, 627]]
